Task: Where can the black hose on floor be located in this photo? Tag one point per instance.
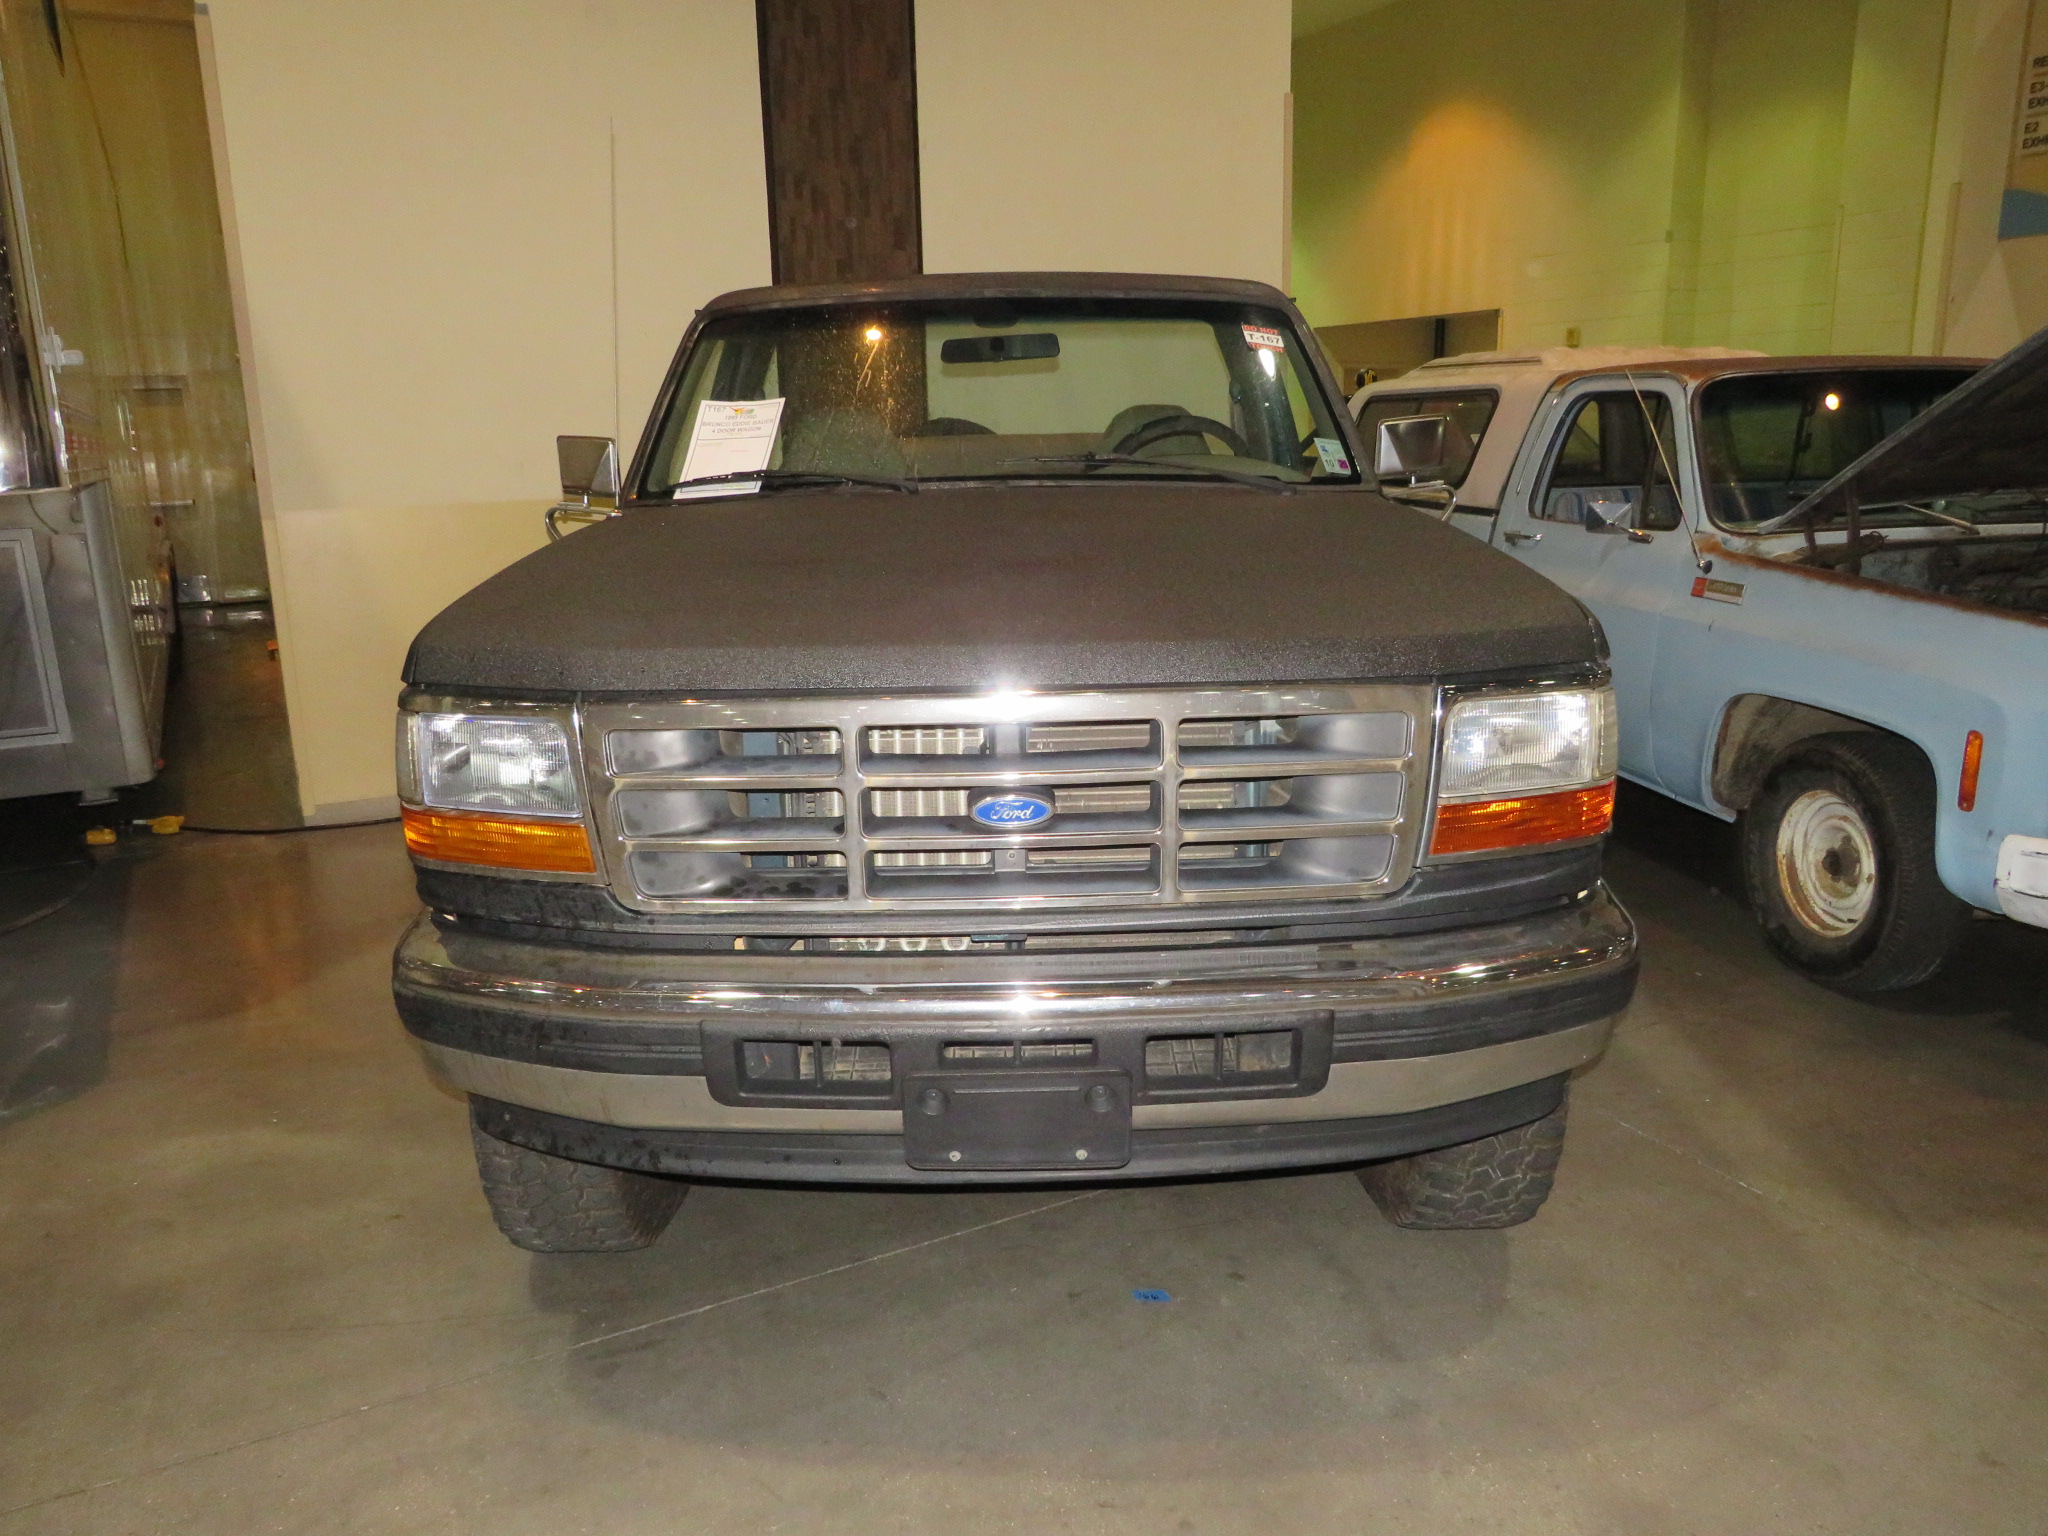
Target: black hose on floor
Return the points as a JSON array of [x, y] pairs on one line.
[[50, 909], [325, 826]]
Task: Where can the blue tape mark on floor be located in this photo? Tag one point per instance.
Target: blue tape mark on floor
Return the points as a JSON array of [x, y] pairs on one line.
[[1150, 1296]]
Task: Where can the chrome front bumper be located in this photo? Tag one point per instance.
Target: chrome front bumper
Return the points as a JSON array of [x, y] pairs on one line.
[[1420, 1021]]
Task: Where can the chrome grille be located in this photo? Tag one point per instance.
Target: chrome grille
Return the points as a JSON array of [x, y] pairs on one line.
[[1192, 796], [928, 741]]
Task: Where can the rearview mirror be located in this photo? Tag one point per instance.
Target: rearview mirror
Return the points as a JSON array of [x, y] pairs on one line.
[[590, 483], [999, 349], [590, 468]]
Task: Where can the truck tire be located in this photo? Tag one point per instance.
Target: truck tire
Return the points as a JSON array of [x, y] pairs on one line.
[[548, 1204], [1838, 855], [1497, 1181]]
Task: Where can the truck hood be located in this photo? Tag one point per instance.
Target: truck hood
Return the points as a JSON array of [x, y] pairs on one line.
[[970, 587]]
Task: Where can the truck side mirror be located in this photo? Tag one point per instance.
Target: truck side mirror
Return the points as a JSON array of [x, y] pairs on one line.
[[590, 483], [1608, 517], [1411, 455], [590, 468], [1411, 446]]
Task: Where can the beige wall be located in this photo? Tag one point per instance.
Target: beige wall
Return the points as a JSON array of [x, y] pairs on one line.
[[1103, 135], [1488, 154], [457, 234], [459, 230], [1742, 172]]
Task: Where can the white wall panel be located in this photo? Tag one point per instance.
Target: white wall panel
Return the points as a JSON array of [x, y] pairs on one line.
[[1104, 135], [459, 230]]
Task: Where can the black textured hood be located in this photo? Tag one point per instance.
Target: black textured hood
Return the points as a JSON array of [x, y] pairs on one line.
[[1025, 586]]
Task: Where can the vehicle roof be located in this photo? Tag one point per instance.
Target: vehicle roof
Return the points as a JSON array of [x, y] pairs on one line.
[[1693, 364], [1001, 285], [1555, 362], [1523, 379], [1699, 369]]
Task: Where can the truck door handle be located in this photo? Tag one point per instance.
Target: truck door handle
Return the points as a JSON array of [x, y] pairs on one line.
[[1515, 536]]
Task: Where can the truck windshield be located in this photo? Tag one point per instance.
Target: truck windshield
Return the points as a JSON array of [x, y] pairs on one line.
[[1012, 389], [1768, 441]]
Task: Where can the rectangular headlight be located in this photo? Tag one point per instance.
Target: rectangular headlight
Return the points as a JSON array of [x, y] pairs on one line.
[[506, 764], [1525, 743]]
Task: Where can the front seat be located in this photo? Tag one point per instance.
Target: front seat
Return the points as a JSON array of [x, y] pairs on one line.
[[1132, 417]]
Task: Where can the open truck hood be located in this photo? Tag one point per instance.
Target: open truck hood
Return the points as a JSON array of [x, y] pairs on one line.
[[972, 587], [1985, 435]]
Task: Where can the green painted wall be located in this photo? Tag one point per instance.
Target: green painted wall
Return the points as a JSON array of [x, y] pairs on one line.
[[1742, 172]]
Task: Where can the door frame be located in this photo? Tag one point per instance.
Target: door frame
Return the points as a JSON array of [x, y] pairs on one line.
[[1541, 446]]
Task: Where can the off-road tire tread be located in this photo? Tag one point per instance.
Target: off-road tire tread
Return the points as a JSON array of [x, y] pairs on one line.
[[548, 1204], [1497, 1181], [1918, 921]]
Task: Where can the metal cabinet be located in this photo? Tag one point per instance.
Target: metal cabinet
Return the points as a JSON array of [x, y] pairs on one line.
[[86, 619]]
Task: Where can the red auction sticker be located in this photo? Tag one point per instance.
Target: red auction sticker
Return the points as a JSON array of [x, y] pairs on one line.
[[1272, 341]]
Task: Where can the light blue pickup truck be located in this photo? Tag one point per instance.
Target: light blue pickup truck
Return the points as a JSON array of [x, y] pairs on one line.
[[1825, 584]]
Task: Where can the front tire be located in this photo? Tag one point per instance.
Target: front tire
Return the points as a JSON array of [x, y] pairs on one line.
[[548, 1204], [1496, 1181], [1838, 856]]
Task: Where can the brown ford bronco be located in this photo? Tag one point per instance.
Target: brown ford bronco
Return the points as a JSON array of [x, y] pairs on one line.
[[995, 732]]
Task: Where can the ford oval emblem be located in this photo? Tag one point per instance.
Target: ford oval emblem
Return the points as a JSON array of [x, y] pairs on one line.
[[1012, 810]]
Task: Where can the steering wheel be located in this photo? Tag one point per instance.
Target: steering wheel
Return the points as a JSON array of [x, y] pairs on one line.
[[1180, 426]]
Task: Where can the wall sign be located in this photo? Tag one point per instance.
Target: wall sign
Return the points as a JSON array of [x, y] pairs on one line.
[[2023, 211]]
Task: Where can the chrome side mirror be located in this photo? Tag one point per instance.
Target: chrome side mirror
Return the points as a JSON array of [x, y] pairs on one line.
[[1607, 517], [1414, 446], [1411, 456], [590, 483], [590, 467]]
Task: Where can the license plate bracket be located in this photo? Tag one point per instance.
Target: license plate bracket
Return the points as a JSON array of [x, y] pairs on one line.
[[1017, 1121]]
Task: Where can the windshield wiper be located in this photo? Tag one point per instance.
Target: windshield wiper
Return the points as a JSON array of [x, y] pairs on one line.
[[1091, 460], [1940, 517], [795, 476], [2011, 501]]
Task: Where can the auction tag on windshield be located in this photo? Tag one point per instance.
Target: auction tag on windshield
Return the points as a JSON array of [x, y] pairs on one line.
[[1259, 336], [1331, 452], [731, 437]]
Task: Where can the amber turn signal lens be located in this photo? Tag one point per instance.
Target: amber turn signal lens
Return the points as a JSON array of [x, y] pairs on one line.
[[1973, 764], [503, 842], [1474, 826]]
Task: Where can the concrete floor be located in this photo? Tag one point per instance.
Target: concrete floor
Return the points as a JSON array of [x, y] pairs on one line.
[[1794, 1278]]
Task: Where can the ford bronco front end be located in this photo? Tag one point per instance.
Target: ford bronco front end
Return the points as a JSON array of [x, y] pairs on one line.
[[1034, 754]]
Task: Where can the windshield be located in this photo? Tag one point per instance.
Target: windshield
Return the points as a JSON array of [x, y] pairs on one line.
[[1768, 441], [1009, 389]]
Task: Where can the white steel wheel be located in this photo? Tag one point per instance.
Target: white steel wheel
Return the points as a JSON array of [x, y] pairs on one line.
[[1838, 857], [1827, 863]]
